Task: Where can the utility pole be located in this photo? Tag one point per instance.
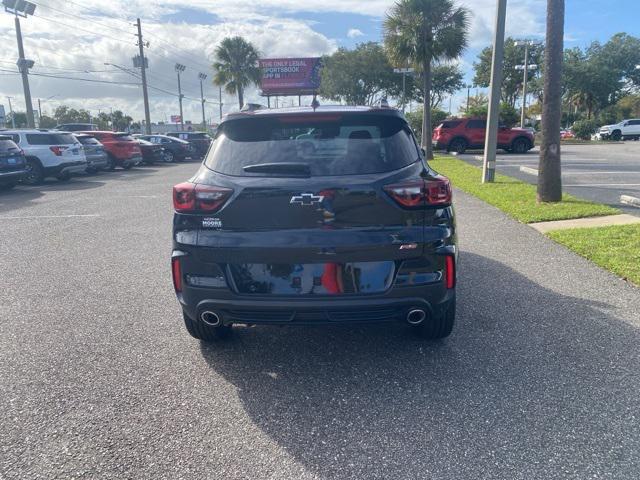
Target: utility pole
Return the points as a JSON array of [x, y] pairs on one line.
[[179, 69], [13, 120], [202, 77], [22, 9], [491, 136], [469, 87], [143, 74]]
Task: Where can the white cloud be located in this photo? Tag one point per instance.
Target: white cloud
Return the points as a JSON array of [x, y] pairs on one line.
[[104, 33]]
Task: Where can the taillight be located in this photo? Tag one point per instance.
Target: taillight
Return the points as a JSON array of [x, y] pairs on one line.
[[176, 272], [57, 150], [189, 197], [418, 193], [449, 271]]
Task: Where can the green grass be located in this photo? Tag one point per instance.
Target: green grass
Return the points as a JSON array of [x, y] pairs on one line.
[[515, 197], [616, 248]]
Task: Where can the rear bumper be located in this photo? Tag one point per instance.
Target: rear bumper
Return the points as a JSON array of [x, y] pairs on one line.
[[67, 168], [390, 305], [97, 161], [12, 176]]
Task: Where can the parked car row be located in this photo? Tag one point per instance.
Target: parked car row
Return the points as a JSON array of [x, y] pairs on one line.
[[30, 155]]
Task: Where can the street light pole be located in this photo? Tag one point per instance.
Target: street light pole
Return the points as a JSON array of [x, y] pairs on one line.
[[202, 77], [22, 9], [524, 84], [468, 97], [491, 136], [179, 69], [404, 72]]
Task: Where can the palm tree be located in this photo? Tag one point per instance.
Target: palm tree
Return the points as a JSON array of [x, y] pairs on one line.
[[419, 32], [549, 171], [236, 66]]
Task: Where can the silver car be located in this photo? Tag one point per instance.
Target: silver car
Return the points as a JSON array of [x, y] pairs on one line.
[[97, 158]]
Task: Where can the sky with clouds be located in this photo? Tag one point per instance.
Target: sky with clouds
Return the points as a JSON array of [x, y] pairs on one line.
[[76, 39]]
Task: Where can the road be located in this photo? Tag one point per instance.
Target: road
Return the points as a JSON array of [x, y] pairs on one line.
[[600, 172], [540, 379]]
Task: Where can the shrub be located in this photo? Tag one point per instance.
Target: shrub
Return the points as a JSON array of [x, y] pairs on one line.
[[584, 128]]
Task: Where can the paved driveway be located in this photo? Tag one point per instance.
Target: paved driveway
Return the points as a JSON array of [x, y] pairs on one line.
[[540, 379], [600, 172]]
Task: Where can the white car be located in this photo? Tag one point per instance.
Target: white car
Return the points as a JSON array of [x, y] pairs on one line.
[[625, 130], [49, 154]]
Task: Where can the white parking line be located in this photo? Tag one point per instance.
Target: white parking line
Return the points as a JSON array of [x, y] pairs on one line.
[[604, 185], [30, 217]]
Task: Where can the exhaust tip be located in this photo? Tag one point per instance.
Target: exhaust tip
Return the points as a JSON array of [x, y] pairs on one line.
[[416, 316], [211, 318]]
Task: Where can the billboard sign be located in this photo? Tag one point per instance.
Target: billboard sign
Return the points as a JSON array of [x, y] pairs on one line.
[[290, 76], [175, 118]]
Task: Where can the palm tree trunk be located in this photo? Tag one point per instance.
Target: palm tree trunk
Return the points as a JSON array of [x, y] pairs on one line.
[[240, 97], [549, 171], [426, 115]]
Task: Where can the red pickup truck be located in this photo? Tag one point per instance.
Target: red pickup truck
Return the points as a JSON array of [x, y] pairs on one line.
[[459, 134], [123, 150]]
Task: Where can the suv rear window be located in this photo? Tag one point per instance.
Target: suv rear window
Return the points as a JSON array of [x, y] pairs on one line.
[[88, 140], [351, 145], [124, 137], [50, 139], [7, 145]]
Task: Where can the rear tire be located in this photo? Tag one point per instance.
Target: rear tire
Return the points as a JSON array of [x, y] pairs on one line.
[[520, 146], [64, 177], [458, 145], [35, 173], [204, 332], [169, 157], [438, 327], [127, 166]]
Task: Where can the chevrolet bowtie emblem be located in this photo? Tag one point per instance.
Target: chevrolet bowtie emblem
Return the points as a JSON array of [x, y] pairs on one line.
[[306, 199]]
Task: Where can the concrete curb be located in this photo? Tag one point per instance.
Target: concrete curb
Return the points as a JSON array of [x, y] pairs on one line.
[[529, 170], [629, 200], [589, 222]]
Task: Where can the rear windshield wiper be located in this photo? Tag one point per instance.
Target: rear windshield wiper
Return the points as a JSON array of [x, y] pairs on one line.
[[297, 169]]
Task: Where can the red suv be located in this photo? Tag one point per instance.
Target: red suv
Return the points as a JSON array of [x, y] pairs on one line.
[[460, 134], [122, 149]]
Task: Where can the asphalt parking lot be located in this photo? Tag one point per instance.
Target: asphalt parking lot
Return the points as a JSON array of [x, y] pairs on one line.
[[600, 172], [539, 380]]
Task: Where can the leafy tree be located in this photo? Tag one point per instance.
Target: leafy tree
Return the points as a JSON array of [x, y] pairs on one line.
[[511, 77], [629, 106], [415, 120], [103, 120], [47, 122], [19, 118], [479, 107], [589, 81], [622, 53], [120, 121], [419, 32], [361, 76], [446, 80], [236, 66], [65, 114]]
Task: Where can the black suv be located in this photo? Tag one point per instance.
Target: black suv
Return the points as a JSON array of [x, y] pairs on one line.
[[200, 141], [13, 164], [303, 216]]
